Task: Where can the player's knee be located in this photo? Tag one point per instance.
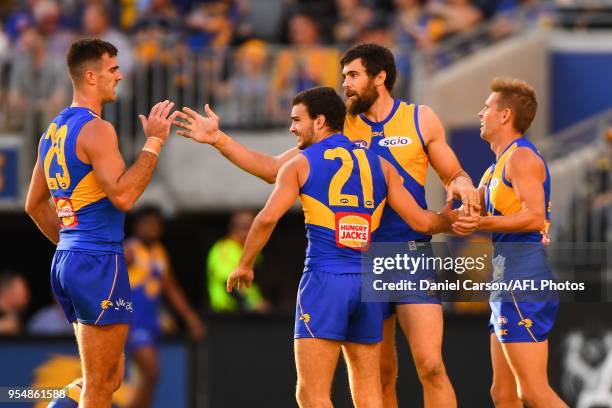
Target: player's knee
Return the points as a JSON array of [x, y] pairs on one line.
[[503, 395], [430, 369], [388, 372], [306, 398], [529, 396]]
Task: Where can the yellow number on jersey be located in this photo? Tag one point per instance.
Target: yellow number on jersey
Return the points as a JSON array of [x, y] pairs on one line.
[[58, 139], [344, 172]]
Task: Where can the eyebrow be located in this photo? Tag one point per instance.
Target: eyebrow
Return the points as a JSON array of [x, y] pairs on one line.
[[115, 67]]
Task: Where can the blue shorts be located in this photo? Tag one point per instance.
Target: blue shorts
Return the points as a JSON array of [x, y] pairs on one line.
[[522, 322], [329, 306], [522, 316], [141, 336], [92, 289]]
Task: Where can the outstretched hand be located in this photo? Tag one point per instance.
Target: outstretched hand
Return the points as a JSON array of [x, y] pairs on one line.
[[197, 127], [240, 277], [158, 123]]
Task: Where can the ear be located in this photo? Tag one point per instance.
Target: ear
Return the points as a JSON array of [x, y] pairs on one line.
[[89, 77], [380, 78], [507, 115], [319, 122]]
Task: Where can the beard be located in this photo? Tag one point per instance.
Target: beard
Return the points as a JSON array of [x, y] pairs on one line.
[[362, 103], [306, 138]]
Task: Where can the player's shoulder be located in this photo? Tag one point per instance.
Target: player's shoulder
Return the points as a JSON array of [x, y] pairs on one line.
[[98, 131], [525, 157], [296, 163]]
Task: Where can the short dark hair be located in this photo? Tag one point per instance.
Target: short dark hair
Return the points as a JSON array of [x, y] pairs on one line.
[[87, 50], [323, 100], [520, 97], [375, 58], [148, 211]]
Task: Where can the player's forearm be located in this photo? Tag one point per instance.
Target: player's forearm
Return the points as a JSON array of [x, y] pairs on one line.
[[44, 216], [179, 302], [258, 164], [434, 223], [524, 221], [133, 181], [258, 237]]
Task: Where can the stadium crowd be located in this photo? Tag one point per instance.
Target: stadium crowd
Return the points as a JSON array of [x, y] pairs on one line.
[[217, 48]]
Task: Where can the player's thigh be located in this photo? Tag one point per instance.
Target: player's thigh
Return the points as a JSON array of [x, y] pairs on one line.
[[504, 385], [316, 360], [388, 349], [101, 349], [423, 325], [362, 360], [528, 361]]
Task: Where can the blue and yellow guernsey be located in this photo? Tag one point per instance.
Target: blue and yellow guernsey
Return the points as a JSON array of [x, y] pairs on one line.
[[398, 140], [343, 200], [146, 270], [501, 199], [89, 221]]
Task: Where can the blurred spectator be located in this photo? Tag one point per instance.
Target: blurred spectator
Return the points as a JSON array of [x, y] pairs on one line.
[[222, 259], [458, 16], [245, 93], [150, 274], [210, 25], [19, 19], [38, 85], [49, 320], [305, 64], [14, 300], [97, 23], [414, 27], [47, 16], [157, 31], [353, 17]]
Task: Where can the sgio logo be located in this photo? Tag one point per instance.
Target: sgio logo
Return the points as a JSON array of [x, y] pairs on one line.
[[395, 141]]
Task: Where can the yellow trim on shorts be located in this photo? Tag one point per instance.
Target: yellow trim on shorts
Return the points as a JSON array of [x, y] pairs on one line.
[[302, 314], [110, 295], [521, 316]]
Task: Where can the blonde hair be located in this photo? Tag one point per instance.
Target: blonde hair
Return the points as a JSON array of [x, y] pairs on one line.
[[519, 97]]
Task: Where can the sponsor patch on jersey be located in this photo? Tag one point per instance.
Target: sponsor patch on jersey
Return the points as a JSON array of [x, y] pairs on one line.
[[502, 320], [362, 144], [65, 212], [353, 230], [395, 141]]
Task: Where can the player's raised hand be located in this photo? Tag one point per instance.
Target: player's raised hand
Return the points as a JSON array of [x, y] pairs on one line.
[[462, 188], [241, 277], [159, 121], [197, 127]]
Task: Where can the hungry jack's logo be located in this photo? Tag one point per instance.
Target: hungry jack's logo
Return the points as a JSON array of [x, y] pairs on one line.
[[353, 230], [65, 212]]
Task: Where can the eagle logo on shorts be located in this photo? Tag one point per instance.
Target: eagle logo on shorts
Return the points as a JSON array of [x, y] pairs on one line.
[[305, 317], [105, 304], [526, 322]]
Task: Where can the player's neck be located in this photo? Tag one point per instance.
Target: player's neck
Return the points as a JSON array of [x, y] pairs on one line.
[[502, 141], [381, 108], [324, 134], [85, 101]]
